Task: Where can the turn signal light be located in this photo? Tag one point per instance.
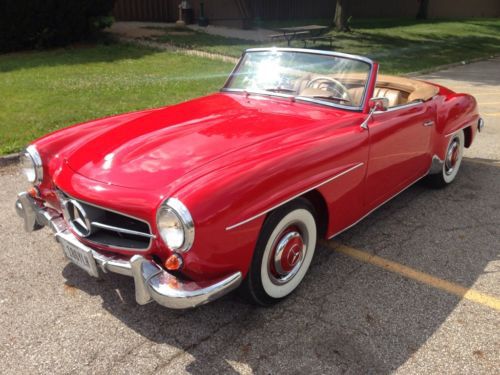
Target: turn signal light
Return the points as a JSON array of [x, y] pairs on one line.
[[33, 192], [173, 262]]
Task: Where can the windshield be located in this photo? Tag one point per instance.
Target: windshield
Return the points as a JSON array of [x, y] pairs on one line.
[[326, 78]]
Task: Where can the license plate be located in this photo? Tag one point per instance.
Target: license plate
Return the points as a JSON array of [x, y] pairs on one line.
[[79, 254]]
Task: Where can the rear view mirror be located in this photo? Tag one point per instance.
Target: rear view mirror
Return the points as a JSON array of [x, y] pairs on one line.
[[379, 104], [375, 104]]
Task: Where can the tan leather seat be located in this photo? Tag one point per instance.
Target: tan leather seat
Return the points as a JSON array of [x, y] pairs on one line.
[[399, 90], [416, 90], [394, 96]]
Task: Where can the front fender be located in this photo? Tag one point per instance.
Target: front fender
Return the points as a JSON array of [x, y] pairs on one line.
[[248, 189]]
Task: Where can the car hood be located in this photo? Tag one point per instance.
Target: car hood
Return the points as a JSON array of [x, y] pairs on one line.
[[151, 150]]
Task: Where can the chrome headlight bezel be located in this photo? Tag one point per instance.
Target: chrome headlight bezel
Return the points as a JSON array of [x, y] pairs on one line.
[[31, 153], [173, 206]]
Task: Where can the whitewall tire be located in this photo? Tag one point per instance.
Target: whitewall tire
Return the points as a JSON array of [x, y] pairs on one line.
[[283, 253], [452, 162]]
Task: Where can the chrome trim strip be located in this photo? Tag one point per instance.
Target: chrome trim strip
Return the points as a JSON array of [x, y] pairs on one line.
[[312, 51], [260, 92], [376, 208], [228, 79], [121, 230], [403, 106], [295, 196], [330, 104]]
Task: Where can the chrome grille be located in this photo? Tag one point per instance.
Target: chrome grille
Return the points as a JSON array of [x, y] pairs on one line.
[[105, 227]]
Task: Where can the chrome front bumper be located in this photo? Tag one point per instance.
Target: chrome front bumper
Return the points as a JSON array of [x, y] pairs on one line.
[[152, 283]]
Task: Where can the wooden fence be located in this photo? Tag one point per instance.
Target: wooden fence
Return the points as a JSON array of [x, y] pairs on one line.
[[292, 9], [145, 10], [220, 11]]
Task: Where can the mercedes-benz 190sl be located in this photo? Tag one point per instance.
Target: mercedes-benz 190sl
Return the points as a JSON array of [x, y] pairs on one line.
[[233, 190]]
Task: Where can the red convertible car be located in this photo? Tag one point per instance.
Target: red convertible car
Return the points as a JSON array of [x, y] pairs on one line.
[[233, 189]]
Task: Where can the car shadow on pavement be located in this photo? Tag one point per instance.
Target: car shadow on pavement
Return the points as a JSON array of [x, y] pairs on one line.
[[347, 316]]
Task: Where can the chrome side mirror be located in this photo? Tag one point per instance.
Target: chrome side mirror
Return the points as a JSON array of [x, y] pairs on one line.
[[375, 104], [379, 104]]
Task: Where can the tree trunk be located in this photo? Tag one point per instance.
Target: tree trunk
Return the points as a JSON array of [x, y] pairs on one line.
[[340, 19], [422, 9]]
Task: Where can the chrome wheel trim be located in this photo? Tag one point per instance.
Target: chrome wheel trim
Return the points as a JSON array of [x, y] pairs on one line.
[[289, 250], [278, 287], [453, 157]]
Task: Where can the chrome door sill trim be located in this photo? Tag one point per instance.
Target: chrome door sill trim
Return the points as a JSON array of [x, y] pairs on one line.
[[376, 208]]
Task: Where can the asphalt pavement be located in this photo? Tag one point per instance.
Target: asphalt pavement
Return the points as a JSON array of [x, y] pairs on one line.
[[412, 289]]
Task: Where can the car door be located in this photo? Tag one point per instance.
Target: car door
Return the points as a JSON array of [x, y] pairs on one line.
[[399, 150]]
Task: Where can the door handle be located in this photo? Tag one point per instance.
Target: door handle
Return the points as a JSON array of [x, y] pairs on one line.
[[428, 123]]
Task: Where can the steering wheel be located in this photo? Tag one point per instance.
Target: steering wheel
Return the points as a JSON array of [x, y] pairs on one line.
[[338, 88]]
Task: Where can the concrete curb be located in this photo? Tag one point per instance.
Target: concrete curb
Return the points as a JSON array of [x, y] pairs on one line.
[[10, 159], [448, 66]]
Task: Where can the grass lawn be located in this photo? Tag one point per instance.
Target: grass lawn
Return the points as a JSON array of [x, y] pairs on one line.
[[400, 45], [44, 91]]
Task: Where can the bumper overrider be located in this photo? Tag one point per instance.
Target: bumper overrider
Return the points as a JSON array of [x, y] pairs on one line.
[[152, 282]]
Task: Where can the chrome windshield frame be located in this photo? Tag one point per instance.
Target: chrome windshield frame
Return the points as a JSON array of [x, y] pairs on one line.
[[359, 108]]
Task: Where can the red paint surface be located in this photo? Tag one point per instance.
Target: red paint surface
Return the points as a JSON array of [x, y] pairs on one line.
[[229, 157]]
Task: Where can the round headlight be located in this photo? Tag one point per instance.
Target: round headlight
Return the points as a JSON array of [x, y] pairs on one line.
[[31, 165], [175, 225]]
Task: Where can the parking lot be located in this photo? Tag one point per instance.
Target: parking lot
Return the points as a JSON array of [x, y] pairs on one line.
[[414, 288]]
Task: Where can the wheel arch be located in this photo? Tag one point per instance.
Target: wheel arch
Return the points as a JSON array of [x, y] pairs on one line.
[[321, 210], [468, 136]]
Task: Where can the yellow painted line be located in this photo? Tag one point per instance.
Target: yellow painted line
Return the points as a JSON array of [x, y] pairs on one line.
[[422, 277]]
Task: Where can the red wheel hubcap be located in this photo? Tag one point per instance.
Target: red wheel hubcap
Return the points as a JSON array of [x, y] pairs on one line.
[[287, 253], [291, 253]]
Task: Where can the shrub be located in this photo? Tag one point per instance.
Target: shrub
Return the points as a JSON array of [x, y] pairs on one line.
[[47, 23]]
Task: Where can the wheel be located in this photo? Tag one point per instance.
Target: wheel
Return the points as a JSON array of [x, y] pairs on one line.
[[283, 253], [452, 162]]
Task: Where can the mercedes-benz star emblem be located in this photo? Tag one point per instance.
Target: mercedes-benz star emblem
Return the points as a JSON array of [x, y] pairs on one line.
[[293, 255], [77, 218]]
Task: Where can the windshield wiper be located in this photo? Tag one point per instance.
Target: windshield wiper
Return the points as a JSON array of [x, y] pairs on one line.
[[279, 89], [329, 97]]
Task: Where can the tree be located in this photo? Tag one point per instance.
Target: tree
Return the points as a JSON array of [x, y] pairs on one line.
[[340, 19], [422, 9], [42, 23]]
